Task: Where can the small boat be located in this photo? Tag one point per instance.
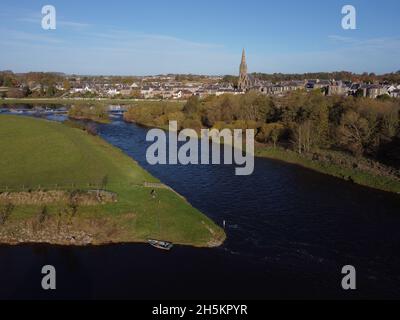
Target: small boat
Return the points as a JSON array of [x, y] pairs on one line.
[[163, 245]]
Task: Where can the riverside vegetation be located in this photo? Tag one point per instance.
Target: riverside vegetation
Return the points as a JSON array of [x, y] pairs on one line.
[[61, 185], [96, 112], [353, 138]]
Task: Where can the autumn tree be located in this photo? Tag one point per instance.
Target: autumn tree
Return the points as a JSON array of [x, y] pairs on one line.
[[354, 132], [302, 136], [270, 132], [15, 93], [66, 85], [192, 106]]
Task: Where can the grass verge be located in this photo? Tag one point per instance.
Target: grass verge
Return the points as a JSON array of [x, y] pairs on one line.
[[39, 154]]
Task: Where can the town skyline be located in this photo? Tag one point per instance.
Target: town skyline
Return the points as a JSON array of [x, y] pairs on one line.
[[133, 39], [177, 87]]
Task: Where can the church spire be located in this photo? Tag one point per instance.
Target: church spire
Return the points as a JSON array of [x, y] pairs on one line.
[[243, 65], [244, 81]]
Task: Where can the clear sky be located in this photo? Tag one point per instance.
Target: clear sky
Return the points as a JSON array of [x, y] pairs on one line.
[[203, 37]]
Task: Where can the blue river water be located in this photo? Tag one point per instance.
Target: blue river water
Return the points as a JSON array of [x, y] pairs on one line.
[[290, 231]]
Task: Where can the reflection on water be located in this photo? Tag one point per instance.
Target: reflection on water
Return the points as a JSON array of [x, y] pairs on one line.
[[290, 232]]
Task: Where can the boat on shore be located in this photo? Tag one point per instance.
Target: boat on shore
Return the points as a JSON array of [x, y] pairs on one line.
[[163, 245]]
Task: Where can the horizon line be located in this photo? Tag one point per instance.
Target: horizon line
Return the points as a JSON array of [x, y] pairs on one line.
[[198, 74]]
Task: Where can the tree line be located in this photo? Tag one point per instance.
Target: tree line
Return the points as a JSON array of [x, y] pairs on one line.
[[366, 77], [302, 121]]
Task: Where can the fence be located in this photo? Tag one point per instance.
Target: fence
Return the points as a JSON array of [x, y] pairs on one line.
[[44, 187], [78, 186]]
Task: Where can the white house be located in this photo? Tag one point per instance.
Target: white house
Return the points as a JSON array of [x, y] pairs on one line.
[[112, 92], [134, 85], [147, 92]]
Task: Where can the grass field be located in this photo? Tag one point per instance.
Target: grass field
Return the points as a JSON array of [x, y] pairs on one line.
[[47, 155]]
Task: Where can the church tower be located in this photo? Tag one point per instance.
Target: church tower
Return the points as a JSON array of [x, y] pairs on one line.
[[244, 81]]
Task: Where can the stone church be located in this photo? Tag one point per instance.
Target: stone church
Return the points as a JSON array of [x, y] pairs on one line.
[[246, 81]]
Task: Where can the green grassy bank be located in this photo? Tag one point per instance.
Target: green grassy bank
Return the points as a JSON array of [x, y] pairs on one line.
[[39, 154]]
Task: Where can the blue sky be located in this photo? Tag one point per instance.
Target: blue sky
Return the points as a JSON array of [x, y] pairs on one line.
[[202, 37]]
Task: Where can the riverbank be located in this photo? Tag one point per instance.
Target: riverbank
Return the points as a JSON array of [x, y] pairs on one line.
[[90, 118], [39, 155], [360, 171], [281, 216]]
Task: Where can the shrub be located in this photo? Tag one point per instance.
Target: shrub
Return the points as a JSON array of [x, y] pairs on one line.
[[5, 212]]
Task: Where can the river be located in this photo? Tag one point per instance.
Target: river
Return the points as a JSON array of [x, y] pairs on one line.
[[290, 231]]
